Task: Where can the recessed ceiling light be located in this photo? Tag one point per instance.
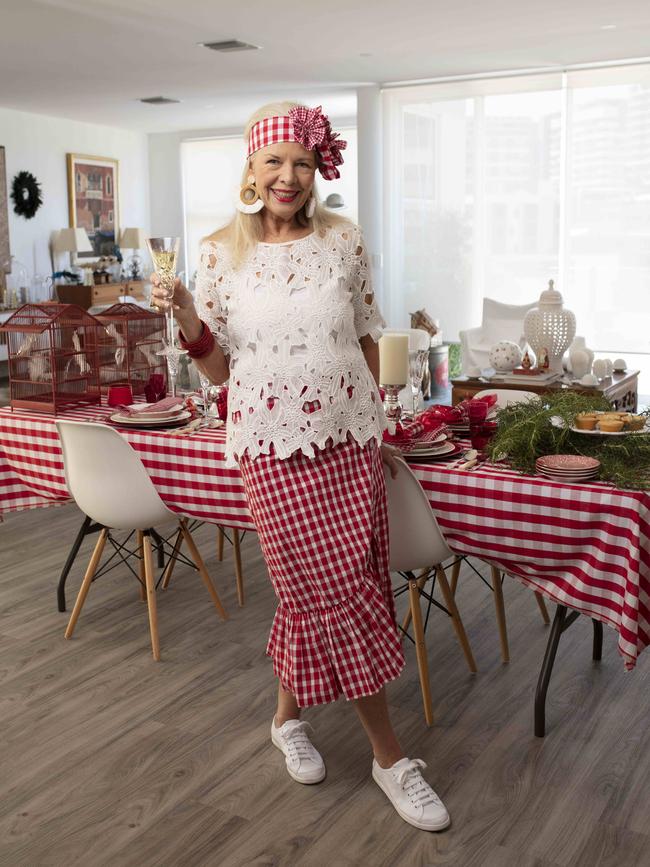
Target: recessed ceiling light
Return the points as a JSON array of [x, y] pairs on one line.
[[365, 54], [608, 26], [158, 100], [229, 45]]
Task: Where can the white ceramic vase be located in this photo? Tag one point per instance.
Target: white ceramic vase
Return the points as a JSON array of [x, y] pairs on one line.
[[505, 355], [581, 358], [550, 327]]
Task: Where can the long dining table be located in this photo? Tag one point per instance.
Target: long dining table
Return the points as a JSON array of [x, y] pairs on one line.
[[584, 546]]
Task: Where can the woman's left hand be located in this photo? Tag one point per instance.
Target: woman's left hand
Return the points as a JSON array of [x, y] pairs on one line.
[[388, 455]]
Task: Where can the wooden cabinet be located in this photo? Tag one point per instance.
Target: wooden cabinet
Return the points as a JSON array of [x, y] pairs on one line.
[[103, 293]]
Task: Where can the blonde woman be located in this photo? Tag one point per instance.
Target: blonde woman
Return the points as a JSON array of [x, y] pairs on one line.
[[287, 314]]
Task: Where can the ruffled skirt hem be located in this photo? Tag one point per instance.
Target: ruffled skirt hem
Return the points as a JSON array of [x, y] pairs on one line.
[[350, 649]]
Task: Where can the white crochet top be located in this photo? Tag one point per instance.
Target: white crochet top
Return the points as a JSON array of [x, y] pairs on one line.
[[290, 319]]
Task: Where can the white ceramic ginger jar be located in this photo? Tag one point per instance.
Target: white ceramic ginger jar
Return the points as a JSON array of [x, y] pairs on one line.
[[578, 346], [550, 327]]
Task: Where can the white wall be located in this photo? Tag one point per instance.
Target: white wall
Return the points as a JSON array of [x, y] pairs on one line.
[[39, 144]]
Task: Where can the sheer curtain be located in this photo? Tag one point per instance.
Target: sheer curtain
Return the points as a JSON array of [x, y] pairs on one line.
[[494, 187], [211, 175]]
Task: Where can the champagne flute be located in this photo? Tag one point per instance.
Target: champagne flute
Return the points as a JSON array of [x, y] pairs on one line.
[[164, 255], [418, 360]]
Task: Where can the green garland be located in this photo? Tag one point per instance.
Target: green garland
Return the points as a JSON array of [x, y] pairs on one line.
[[525, 432]]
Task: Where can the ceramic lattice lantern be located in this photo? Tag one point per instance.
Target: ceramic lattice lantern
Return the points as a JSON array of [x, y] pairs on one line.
[[550, 328]]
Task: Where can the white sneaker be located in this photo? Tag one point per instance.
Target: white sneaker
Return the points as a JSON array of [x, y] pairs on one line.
[[411, 795], [304, 762]]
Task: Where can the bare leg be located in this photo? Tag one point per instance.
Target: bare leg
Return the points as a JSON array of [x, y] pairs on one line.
[[287, 707], [373, 713]]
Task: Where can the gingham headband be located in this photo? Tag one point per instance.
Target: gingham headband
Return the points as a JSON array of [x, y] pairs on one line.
[[307, 126]]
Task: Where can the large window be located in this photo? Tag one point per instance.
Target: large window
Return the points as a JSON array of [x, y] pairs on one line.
[[495, 187], [212, 171]]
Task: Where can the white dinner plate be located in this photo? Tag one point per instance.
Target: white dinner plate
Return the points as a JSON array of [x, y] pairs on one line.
[[137, 421], [430, 454]]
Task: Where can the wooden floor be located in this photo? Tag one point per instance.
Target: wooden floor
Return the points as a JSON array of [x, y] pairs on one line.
[[107, 758]]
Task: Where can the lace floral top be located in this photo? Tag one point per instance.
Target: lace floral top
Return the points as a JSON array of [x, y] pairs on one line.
[[290, 319]]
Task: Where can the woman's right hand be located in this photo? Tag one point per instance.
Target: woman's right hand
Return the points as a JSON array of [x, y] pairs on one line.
[[181, 299]]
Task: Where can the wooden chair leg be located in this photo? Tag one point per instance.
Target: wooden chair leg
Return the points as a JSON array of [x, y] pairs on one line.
[[420, 649], [239, 578], [88, 580], [455, 572], [450, 603], [151, 596], [143, 580], [200, 565], [501, 613], [422, 580], [220, 538], [542, 607], [167, 577]]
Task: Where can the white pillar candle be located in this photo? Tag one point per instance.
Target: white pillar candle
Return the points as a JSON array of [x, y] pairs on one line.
[[394, 359]]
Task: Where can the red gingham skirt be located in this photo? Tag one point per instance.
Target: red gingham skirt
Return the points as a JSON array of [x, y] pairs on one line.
[[323, 528]]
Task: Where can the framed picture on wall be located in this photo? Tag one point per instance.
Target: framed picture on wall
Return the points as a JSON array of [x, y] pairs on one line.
[[93, 201], [5, 265]]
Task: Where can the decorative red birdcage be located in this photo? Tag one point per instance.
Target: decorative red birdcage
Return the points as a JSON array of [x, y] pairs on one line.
[[53, 357], [130, 345]]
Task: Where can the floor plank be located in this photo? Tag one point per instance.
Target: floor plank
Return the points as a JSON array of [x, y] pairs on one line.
[[110, 758]]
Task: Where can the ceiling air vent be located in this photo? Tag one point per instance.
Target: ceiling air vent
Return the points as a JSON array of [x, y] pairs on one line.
[[158, 100], [230, 45]]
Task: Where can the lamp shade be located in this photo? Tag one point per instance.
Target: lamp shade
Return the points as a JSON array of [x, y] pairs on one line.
[[132, 239], [72, 241]]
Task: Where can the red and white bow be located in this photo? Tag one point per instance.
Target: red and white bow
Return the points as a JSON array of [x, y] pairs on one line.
[[307, 126]]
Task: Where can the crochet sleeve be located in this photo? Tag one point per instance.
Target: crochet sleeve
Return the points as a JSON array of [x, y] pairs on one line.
[[208, 301], [367, 316]]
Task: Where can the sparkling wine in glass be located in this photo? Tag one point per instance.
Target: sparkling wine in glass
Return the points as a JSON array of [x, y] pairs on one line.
[[164, 255]]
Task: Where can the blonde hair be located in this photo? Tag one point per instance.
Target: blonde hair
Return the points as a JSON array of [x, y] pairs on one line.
[[244, 231]]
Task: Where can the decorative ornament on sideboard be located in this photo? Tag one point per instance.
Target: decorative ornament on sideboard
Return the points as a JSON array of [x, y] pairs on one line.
[[26, 195], [550, 327]]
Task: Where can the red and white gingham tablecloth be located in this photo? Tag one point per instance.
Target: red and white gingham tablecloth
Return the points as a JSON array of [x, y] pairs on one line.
[[586, 546]]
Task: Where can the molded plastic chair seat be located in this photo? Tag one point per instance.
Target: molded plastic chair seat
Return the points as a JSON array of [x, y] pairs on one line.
[[417, 543], [109, 483]]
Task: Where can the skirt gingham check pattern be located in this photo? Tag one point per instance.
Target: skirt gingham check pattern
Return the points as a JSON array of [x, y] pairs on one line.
[[323, 529]]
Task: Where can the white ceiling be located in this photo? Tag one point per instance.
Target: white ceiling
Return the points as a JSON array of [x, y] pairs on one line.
[[92, 59]]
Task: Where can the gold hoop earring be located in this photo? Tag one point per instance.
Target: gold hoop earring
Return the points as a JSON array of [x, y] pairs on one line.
[[249, 201]]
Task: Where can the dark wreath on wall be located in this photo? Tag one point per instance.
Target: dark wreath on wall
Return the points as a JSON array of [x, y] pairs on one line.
[[26, 195]]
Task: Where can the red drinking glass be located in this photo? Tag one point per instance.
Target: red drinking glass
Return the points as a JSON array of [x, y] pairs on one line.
[[119, 394]]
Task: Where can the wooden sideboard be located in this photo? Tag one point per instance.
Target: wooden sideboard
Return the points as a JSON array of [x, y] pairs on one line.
[[620, 389], [102, 293]]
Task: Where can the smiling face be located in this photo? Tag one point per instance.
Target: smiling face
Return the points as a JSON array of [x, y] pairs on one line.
[[284, 177]]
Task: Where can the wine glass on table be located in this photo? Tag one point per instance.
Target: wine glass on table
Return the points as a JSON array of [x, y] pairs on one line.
[[164, 255], [418, 360], [211, 396]]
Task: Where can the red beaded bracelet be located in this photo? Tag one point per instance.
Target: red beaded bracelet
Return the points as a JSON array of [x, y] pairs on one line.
[[201, 347]]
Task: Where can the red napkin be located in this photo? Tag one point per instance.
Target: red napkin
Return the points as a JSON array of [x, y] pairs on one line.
[[167, 403], [406, 436]]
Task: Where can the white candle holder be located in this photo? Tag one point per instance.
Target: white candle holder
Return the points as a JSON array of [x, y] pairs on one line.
[[392, 406]]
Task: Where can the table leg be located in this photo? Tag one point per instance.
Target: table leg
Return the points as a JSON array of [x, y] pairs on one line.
[[84, 531], [598, 640], [560, 623]]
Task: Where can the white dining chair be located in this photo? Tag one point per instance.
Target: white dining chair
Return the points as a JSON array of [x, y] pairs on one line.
[[109, 483], [505, 397], [416, 543]]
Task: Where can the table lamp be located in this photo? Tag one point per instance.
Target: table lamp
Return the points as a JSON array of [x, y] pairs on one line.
[[133, 239], [72, 241], [393, 371]]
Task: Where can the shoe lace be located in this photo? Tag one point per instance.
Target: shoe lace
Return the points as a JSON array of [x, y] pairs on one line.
[[416, 787], [297, 741]]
